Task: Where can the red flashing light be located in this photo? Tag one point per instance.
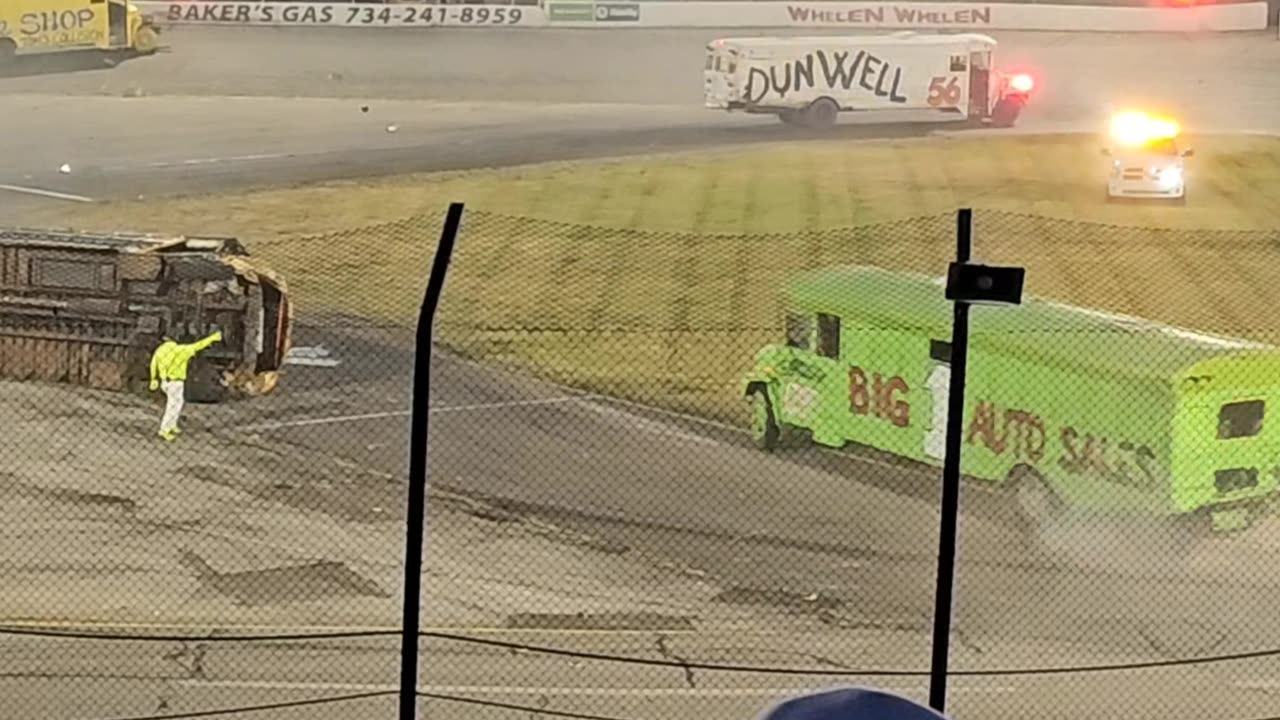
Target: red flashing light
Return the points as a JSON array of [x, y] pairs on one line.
[[1022, 83]]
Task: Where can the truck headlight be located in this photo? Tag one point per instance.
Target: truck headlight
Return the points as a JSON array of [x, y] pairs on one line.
[[1170, 177]]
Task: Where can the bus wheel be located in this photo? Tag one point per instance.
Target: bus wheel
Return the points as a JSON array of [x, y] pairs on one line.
[[821, 114], [146, 40], [1006, 112], [204, 386], [1038, 504], [764, 426]]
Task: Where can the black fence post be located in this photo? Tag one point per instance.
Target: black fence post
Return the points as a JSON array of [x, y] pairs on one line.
[[417, 512], [967, 283], [944, 587]]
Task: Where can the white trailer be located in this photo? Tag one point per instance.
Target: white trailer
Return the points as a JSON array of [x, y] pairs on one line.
[[810, 80]]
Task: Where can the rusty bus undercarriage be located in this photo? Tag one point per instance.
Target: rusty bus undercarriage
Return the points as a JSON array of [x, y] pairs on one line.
[[89, 309]]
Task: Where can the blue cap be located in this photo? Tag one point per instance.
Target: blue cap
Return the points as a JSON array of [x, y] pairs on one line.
[[852, 704]]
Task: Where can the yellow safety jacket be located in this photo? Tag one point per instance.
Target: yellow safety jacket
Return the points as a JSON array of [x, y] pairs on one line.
[[170, 360]]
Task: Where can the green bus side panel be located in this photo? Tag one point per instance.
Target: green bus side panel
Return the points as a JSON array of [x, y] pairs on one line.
[[1115, 413]]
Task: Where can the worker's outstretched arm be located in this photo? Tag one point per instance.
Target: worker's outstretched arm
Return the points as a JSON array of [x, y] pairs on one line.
[[202, 344]]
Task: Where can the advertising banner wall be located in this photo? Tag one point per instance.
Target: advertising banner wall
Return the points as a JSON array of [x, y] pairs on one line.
[[965, 16], [910, 16], [974, 17], [342, 14]]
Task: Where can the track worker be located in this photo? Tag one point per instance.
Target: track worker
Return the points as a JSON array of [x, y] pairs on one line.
[[169, 371]]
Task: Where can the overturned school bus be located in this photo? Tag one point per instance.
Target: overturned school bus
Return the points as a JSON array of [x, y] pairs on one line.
[[88, 309]]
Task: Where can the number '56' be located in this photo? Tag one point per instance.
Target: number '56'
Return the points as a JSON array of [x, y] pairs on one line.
[[944, 91]]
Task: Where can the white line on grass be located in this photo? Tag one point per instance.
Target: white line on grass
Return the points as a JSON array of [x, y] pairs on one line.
[[46, 193]]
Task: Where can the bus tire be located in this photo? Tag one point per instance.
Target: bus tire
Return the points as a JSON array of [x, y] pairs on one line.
[[1038, 505], [821, 114], [8, 52], [765, 432], [204, 386], [146, 40], [1006, 112]]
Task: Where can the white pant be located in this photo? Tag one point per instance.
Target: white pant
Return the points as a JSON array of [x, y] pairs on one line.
[[174, 399]]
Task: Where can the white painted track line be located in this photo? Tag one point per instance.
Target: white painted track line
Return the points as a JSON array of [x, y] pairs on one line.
[[304, 422], [46, 193]]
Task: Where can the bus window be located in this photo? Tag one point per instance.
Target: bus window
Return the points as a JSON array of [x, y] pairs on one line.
[[828, 336], [1241, 419], [711, 60], [797, 331], [1226, 481]]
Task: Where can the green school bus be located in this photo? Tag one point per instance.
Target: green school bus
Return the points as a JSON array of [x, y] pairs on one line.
[[1069, 406]]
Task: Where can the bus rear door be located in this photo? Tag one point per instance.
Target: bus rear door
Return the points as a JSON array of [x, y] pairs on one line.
[[1226, 451], [722, 64], [117, 22], [979, 84]]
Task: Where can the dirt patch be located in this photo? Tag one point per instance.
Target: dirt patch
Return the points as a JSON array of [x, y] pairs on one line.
[[274, 586], [94, 500], [310, 483], [600, 621], [778, 599]]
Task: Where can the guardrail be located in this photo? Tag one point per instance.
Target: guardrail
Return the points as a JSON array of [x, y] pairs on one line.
[[617, 14]]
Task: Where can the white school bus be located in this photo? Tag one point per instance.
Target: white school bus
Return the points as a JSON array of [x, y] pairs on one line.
[[810, 80]]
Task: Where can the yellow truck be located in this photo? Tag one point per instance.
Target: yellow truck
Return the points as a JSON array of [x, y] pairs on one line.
[[49, 26]]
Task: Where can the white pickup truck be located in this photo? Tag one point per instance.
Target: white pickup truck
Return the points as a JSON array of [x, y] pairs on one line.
[[810, 80], [1146, 161]]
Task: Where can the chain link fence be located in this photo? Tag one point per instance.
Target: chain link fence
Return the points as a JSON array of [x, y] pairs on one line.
[[671, 474]]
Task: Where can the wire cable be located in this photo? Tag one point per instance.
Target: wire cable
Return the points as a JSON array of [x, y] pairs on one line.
[[330, 700], [654, 662], [518, 708], [854, 672], [136, 637]]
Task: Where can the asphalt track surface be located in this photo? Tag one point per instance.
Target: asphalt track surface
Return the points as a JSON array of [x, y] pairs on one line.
[[844, 541]]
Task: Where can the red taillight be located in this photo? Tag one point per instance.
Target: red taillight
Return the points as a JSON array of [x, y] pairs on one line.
[[1022, 83]]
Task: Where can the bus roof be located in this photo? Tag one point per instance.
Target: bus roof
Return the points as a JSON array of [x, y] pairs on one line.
[[900, 38], [1067, 335], [120, 242]]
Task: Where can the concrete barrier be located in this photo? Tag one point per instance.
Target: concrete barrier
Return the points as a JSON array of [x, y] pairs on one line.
[[616, 14], [908, 15], [320, 14]]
